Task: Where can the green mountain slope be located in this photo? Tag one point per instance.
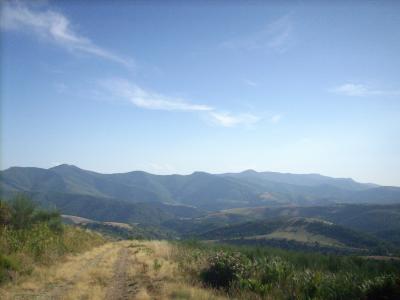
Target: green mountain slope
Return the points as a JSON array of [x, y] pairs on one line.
[[114, 210]]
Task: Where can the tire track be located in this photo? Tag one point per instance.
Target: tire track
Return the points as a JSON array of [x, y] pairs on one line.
[[121, 288]]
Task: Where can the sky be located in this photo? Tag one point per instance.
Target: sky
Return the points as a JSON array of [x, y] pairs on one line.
[[293, 86]]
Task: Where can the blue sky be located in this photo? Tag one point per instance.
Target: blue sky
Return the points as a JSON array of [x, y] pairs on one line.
[[296, 87]]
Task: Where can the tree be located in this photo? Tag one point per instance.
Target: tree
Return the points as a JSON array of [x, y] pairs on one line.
[[24, 213]]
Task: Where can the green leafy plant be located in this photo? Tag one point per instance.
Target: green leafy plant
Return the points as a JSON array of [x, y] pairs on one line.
[[157, 265]]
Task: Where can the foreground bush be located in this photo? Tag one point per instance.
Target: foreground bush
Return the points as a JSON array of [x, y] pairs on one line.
[[224, 269], [30, 236]]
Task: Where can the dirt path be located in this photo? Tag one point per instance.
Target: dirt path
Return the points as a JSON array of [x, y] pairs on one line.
[[57, 291], [121, 286], [117, 270]]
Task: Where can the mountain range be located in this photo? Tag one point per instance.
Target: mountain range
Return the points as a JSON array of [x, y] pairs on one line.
[[201, 190], [278, 209]]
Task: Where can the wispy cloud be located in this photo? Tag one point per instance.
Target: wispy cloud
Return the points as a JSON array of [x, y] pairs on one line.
[[275, 118], [227, 119], [361, 90], [148, 99], [55, 27], [275, 36], [250, 82]]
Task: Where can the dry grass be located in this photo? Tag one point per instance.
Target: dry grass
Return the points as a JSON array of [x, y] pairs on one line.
[[78, 276], [151, 273], [185, 291], [159, 276]]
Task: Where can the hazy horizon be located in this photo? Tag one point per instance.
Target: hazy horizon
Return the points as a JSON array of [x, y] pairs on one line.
[[292, 88]]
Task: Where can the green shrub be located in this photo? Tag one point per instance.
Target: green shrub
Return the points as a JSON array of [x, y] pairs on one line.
[[273, 269], [22, 213], [382, 288], [8, 265], [339, 285], [224, 269]]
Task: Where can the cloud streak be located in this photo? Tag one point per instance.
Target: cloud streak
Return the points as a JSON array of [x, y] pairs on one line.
[[146, 99], [250, 82], [361, 90], [275, 36], [55, 27]]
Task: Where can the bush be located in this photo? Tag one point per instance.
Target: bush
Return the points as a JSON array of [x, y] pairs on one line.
[[224, 269]]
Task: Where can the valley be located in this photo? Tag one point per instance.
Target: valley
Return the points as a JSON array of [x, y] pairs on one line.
[[96, 243], [309, 212]]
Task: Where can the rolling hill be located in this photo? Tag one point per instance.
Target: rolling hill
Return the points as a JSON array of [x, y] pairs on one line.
[[368, 218], [299, 233]]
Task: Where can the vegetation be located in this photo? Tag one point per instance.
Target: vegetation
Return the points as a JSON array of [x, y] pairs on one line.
[[31, 236], [267, 273]]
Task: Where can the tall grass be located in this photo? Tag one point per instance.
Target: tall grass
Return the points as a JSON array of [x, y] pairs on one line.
[[30, 236]]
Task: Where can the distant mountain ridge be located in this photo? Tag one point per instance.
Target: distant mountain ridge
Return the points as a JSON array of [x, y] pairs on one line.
[[200, 190]]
